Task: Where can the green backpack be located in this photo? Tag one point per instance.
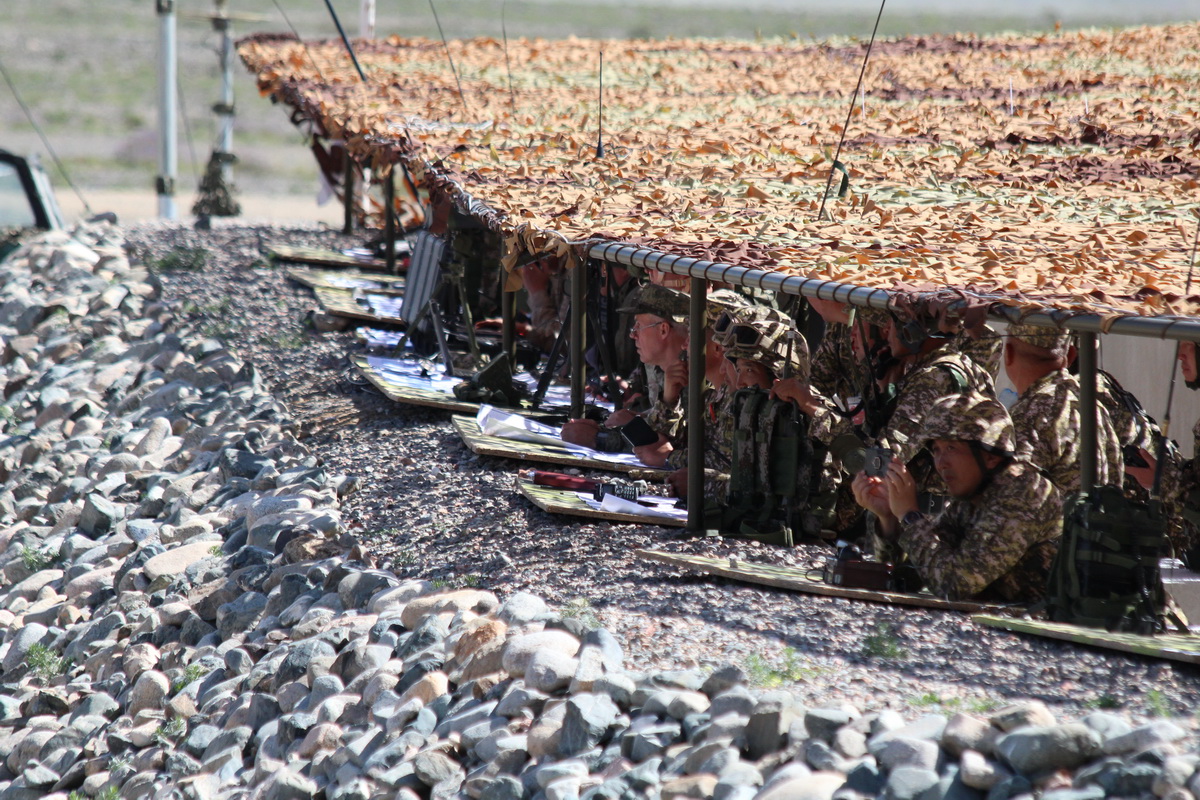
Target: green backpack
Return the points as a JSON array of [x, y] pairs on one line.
[[774, 486], [1106, 573]]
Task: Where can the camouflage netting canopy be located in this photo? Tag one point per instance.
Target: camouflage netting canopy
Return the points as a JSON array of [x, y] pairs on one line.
[[1056, 170]]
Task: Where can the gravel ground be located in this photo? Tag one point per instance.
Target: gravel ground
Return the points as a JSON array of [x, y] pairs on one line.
[[430, 508]]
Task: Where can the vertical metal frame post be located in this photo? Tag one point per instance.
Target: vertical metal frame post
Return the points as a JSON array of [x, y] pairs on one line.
[[168, 152], [697, 322], [348, 195], [389, 219], [508, 320], [1087, 412], [578, 315]]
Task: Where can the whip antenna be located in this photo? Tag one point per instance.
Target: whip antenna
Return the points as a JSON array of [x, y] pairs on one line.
[[512, 98], [450, 58], [303, 43], [345, 40], [1166, 424], [837, 164], [600, 129]]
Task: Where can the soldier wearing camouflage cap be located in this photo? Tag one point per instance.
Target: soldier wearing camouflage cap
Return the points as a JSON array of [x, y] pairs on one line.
[[776, 346], [997, 536], [1047, 412]]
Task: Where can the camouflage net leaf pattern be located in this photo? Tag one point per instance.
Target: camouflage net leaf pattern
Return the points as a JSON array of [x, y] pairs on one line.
[[1057, 170]]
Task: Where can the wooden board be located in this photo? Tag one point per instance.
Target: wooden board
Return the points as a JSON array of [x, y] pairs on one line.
[[340, 302], [565, 501], [322, 257], [1173, 646], [347, 279], [482, 444], [798, 580], [411, 395]]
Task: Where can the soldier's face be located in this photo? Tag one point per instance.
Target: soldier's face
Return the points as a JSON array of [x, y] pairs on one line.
[[753, 374], [648, 334], [1187, 360], [956, 464]]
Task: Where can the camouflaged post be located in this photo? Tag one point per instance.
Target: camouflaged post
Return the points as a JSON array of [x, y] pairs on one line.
[[1047, 420]]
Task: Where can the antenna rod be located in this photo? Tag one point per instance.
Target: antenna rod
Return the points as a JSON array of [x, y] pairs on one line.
[[512, 98], [1166, 424], [345, 40], [850, 112], [450, 58], [303, 43], [600, 130]]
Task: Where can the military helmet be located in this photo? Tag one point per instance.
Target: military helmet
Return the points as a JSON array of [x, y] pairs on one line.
[[719, 300], [768, 342], [1056, 341], [971, 417], [873, 316], [657, 300]]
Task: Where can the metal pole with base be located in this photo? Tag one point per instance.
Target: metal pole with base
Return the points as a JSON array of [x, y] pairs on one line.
[[578, 315], [695, 405], [1087, 412], [348, 194], [168, 151]]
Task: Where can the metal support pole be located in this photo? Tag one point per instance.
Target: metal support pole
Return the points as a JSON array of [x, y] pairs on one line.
[[224, 109], [578, 315], [1087, 412], [695, 405], [389, 220], [348, 195], [168, 152], [366, 19], [508, 321]]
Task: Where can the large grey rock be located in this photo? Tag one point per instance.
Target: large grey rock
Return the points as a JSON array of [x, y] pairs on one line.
[[519, 650], [586, 722], [905, 752], [1158, 732], [18, 648], [1035, 749], [767, 729], [241, 614], [522, 607], [149, 692], [909, 783], [99, 515]]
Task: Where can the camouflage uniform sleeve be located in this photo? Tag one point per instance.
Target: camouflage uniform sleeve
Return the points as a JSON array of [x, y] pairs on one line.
[[919, 390], [669, 420], [833, 364], [974, 544], [1046, 419], [1110, 461], [826, 425]]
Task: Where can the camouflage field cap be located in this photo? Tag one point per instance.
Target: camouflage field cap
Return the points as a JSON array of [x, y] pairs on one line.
[[720, 300], [767, 342], [1055, 341], [971, 417], [659, 301], [872, 316]]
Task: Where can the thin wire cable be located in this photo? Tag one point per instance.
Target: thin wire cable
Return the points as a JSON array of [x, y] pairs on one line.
[[45, 141], [187, 129], [1165, 428], [300, 39], [450, 58], [850, 112], [512, 97], [346, 41]]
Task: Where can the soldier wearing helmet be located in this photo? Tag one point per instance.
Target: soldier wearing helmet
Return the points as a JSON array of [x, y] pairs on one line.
[[996, 537], [1047, 414]]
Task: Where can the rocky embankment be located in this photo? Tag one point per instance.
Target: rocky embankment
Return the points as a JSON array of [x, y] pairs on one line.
[[184, 616]]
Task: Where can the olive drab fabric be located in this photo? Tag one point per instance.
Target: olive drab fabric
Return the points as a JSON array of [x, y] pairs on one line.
[[1107, 570], [1047, 418], [999, 543]]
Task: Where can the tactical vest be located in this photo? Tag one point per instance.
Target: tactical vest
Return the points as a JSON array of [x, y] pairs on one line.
[[1106, 573], [774, 486]]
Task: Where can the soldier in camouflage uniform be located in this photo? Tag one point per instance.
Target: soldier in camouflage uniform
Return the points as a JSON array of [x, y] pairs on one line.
[[1047, 414], [661, 335], [996, 538]]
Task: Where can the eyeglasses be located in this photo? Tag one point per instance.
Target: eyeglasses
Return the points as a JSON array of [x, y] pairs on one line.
[[634, 330]]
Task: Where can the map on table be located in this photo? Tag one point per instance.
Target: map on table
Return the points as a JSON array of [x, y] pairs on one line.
[[346, 279], [1173, 646], [581, 504], [328, 258], [800, 579], [484, 444], [360, 304]]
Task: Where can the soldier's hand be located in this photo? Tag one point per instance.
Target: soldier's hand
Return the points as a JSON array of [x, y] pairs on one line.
[[678, 481], [654, 455], [871, 494], [901, 490], [792, 390], [619, 418], [1143, 475], [581, 431]]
